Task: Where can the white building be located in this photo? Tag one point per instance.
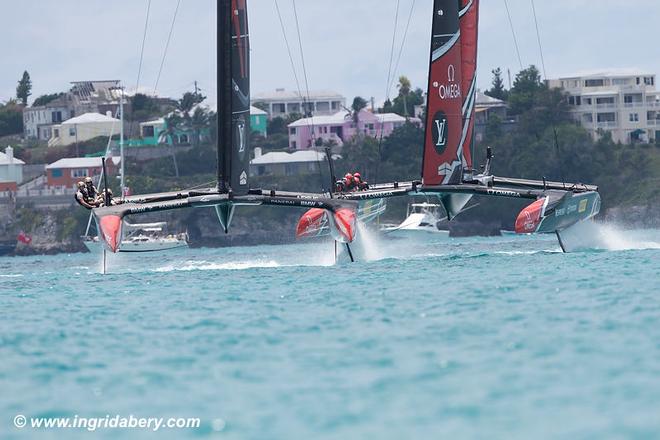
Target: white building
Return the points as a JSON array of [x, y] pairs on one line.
[[11, 170], [281, 163], [622, 102], [83, 128], [283, 103]]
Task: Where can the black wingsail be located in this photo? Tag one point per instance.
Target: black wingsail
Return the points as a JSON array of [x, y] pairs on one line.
[[233, 97]]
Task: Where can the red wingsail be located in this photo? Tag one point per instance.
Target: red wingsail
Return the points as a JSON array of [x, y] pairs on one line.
[[444, 120], [469, 25]]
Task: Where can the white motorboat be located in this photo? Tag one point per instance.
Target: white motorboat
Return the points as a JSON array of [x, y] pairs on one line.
[[422, 217], [143, 237]]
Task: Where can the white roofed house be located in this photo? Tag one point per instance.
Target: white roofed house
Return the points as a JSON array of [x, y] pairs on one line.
[[341, 127], [11, 170], [65, 173], [83, 128], [281, 163]]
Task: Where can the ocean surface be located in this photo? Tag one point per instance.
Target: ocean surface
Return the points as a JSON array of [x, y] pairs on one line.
[[432, 338]]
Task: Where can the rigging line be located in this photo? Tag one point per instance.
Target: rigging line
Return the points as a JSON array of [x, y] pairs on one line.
[[137, 81], [513, 32], [307, 101], [403, 42], [390, 79], [389, 83], [144, 39], [167, 46], [545, 76], [538, 37], [288, 49], [302, 58]]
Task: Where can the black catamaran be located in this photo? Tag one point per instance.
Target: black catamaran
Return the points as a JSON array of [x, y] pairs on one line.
[[447, 171]]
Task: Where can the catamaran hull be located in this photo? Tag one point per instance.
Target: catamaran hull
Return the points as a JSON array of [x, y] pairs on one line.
[[549, 215]]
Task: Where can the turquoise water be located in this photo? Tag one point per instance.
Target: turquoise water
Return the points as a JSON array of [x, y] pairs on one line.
[[462, 338]]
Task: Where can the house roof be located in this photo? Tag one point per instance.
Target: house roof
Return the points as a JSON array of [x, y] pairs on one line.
[[284, 157], [257, 111], [484, 100], [4, 160], [343, 116], [80, 162], [288, 95], [607, 73], [89, 118]]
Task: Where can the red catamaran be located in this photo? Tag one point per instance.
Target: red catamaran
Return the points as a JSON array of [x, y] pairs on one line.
[[447, 170]]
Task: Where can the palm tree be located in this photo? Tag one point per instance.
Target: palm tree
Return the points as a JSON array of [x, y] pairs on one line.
[[404, 87]]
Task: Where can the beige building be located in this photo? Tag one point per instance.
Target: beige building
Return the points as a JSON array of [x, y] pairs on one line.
[[624, 103], [83, 128]]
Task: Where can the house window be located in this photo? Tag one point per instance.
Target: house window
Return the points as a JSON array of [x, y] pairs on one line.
[[57, 172], [634, 117], [79, 172], [72, 131], [56, 117], [292, 130], [148, 131], [594, 83], [648, 81]]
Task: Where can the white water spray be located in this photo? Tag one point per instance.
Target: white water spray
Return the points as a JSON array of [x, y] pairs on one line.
[[610, 237]]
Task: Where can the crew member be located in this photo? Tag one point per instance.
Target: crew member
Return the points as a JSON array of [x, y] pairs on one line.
[[361, 184], [93, 197], [81, 196], [349, 184]]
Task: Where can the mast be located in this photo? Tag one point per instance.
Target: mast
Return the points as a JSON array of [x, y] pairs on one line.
[[233, 97], [224, 94]]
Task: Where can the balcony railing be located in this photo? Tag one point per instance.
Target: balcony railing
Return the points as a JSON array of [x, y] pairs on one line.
[[600, 106], [608, 124]]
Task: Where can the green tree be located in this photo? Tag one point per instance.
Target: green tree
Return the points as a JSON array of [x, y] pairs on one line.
[[358, 105], [404, 87], [45, 99], [497, 90], [11, 119], [526, 90], [24, 88]]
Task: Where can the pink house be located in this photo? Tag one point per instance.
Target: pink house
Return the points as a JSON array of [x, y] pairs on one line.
[[341, 128]]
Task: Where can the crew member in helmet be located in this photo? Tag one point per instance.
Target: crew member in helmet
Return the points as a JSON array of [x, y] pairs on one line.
[[349, 183], [81, 196], [93, 197], [361, 184]]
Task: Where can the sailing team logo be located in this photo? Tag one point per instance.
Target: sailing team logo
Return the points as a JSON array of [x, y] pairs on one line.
[[439, 130], [451, 89]]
